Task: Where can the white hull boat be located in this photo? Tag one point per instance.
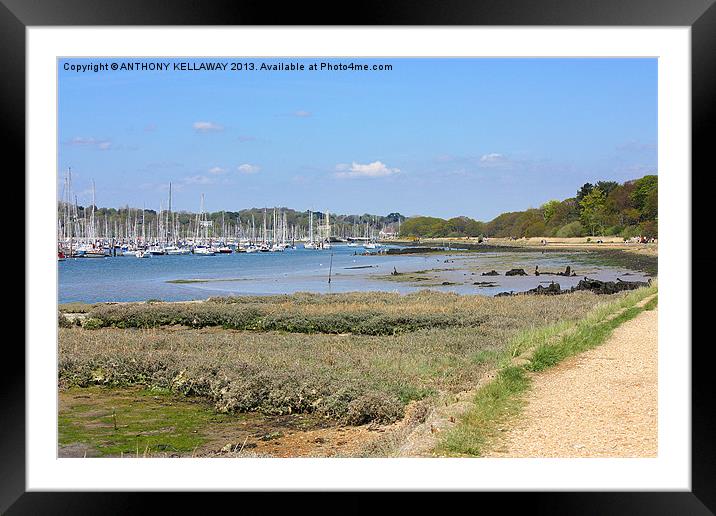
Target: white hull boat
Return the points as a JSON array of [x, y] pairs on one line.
[[203, 251]]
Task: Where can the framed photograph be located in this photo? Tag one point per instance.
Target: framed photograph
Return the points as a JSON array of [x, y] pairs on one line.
[[416, 250]]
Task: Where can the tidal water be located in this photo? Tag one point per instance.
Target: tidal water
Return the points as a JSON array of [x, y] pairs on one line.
[[125, 278]]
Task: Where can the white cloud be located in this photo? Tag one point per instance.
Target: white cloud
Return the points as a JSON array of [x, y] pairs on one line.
[[493, 157], [375, 169], [496, 160], [302, 113], [217, 170], [84, 141], [205, 127], [247, 168]]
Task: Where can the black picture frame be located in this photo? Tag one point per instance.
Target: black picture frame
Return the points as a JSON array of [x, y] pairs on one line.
[[700, 15]]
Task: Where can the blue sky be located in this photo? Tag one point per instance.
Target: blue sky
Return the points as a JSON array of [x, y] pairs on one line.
[[439, 137]]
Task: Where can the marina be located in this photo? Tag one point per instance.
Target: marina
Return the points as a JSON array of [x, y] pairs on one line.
[[88, 232]]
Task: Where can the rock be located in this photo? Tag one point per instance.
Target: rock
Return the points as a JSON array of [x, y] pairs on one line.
[[491, 273], [608, 287], [516, 272], [596, 286], [552, 289]]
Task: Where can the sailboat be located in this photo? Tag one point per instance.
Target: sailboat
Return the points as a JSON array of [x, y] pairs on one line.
[[326, 241], [310, 244], [372, 243], [203, 250], [204, 223], [172, 249], [175, 250]]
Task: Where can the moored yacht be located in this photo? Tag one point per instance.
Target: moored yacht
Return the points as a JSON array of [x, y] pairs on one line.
[[172, 250], [203, 250]]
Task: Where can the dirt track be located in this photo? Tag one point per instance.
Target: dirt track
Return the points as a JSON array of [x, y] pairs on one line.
[[601, 403]]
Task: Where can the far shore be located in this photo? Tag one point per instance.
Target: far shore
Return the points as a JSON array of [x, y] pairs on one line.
[[554, 243]]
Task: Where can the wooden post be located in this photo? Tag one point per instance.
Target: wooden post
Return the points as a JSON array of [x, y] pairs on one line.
[[330, 268]]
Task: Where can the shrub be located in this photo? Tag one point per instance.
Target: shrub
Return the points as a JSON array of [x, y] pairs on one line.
[[92, 323], [630, 232], [573, 229], [374, 407], [336, 404], [62, 321], [649, 229], [613, 230], [274, 317]]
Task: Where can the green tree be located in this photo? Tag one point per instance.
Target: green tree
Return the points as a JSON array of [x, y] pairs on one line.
[[643, 188], [567, 211], [585, 190], [607, 186], [535, 229], [650, 208], [548, 210], [593, 208], [424, 227]]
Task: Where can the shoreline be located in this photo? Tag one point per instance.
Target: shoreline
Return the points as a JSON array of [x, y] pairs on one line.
[[455, 271]]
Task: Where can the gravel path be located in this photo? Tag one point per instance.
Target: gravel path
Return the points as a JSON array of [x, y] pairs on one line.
[[601, 403]]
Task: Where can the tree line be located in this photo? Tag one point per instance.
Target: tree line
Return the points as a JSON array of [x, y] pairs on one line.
[[605, 208], [226, 223]]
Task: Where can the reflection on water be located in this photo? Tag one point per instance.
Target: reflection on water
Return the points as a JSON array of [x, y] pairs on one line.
[[303, 270]]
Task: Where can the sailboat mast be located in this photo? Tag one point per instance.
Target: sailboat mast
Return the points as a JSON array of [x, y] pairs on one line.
[[169, 214]]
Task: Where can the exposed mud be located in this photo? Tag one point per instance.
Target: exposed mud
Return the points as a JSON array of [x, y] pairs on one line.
[[132, 422]]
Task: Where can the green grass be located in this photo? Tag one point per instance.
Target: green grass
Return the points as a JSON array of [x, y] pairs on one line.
[[77, 308], [330, 374], [135, 421], [500, 400], [493, 405], [652, 303], [200, 280], [486, 356]]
